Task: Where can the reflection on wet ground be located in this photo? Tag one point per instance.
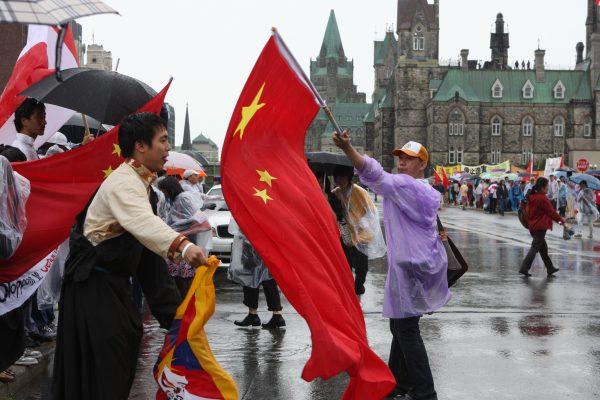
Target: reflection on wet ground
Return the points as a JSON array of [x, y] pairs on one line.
[[501, 337]]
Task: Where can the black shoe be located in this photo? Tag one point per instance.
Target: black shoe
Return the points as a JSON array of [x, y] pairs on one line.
[[44, 334], [359, 290], [250, 320], [276, 322], [29, 342], [524, 272], [552, 271]]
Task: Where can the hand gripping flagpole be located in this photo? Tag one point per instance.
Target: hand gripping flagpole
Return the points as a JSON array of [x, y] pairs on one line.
[[298, 69]]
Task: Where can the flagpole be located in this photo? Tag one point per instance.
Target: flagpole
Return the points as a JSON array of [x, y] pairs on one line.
[[308, 82]]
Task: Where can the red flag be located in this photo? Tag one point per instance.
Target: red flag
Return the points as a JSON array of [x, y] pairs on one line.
[[445, 180], [278, 204], [61, 186], [437, 178], [34, 64]]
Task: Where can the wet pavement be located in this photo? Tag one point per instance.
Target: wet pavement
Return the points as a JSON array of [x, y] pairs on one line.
[[502, 336]]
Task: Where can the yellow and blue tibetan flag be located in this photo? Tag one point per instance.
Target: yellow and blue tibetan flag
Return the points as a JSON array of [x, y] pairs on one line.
[[186, 368]]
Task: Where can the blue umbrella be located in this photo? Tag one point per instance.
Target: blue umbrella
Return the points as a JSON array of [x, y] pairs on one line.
[[592, 182], [560, 174]]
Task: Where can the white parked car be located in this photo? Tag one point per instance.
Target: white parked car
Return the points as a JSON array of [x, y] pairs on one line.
[[222, 240]]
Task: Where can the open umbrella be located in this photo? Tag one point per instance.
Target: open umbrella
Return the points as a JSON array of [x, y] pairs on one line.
[[178, 163], [51, 12], [592, 182], [104, 95], [74, 129], [322, 161]]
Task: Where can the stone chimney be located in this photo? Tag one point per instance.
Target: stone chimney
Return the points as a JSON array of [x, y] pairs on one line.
[[464, 54], [595, 57], [579, 49], [540, 71]]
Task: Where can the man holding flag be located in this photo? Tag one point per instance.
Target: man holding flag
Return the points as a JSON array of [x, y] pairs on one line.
[[417, 281], [116, 237]]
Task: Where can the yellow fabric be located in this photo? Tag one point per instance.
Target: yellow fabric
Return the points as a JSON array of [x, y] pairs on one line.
[[357, 206], [203, 289], [122, 204]]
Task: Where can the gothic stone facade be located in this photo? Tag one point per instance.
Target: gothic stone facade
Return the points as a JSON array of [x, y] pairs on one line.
[[469, 114]]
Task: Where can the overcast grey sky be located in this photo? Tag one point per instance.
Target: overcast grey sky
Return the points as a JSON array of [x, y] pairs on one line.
[[209, 47]]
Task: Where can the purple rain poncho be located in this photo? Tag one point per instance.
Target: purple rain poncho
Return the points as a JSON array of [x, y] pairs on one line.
[[417, 280]]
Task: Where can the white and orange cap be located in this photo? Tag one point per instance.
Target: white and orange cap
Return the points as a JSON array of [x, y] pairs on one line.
[[413, 149]]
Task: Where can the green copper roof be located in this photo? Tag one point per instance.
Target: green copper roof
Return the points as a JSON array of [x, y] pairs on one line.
[[476, 86], [332, 42], [382, 47], [348, 115], [346, 71], [201, 139]]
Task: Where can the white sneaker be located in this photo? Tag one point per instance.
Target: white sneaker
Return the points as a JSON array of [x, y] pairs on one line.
[[26, 361], [32, 353]]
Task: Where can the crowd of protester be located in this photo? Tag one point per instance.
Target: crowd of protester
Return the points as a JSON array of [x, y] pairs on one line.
[[573, 202]]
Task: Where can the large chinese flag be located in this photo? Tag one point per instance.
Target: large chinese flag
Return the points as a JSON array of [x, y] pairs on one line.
[[278, 204], [61, 186]]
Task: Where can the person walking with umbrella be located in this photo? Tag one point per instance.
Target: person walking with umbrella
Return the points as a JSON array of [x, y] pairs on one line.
[[501, 197], [541, 214], [587, 211]]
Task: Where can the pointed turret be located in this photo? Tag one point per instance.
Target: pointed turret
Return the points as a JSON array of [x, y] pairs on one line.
[[332, 42], [187, 140]]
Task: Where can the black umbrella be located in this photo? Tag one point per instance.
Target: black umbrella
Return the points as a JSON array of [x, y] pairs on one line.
[[322, 161], [104, 95], [74, 128]]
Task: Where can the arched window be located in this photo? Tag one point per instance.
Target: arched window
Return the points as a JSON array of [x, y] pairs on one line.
[[456, 124], [559, 126], [527, 126], [497, 90], [528, 90], [587, 127], [559, 90], [419, 39], [496, 126]]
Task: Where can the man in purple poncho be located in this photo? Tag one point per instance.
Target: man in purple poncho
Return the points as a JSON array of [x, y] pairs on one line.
[[417, 281]]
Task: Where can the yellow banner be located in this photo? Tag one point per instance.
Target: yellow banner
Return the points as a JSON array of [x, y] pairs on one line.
[[475, 170]]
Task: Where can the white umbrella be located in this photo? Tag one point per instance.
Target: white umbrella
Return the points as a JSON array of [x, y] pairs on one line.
[[179, 162], [50, 12]]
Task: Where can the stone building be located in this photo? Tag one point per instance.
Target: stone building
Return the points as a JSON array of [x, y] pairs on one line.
[[98, 58], [206, 147], [170, 116], [333, 76], [472, 114]]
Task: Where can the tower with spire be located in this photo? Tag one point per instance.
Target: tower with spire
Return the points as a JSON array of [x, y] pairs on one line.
[[187, 139], [333, 76], [332, 73]]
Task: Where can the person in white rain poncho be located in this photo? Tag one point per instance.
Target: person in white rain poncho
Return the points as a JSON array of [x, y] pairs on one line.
[[362, 238], [587, 211], [186, 217], [249, 270]]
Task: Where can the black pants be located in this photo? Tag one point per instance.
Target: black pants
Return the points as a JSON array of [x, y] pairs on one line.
[[538, 245], [271, 294], [360, 263], [408, 360]]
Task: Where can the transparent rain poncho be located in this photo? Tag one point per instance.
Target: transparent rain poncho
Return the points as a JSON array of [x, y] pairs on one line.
[[362, 217], [247, 268], [14, 192], [186, 217]]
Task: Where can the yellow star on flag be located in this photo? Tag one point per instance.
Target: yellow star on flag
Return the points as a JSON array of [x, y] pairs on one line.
[[262, 194], [266, 177], [117, 149], [248, 113], [107, 171]]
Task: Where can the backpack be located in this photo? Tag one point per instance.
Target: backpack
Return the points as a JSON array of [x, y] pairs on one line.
[[524, 212], [11, 153]]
